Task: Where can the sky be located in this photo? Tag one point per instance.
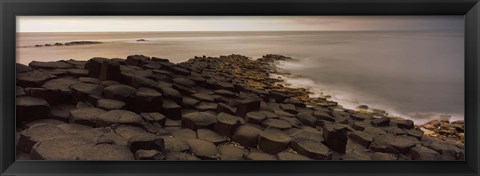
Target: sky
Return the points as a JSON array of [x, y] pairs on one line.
[[235, 23]]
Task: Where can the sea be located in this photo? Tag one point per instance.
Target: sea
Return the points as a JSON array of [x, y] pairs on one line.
[[417, 75]]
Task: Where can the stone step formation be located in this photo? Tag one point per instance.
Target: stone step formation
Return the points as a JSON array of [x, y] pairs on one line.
[[208, 108]]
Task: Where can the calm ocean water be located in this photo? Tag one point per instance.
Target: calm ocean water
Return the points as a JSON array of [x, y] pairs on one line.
[[413, 74]]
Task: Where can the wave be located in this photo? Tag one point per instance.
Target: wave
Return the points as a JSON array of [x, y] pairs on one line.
[[348, 97]]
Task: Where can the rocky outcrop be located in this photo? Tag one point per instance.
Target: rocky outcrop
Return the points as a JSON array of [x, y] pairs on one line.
[[225, 108]]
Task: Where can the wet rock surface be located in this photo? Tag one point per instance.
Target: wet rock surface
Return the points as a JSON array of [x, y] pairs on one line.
[[207, 108]]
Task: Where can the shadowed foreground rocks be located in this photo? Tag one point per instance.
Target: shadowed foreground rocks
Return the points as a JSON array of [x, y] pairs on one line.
[[226, 108]]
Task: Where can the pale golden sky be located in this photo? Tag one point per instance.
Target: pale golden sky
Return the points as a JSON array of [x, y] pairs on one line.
[[234, 23]]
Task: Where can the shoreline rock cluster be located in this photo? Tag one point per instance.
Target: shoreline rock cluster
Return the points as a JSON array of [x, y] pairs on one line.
[[208, 108], [70, 43]]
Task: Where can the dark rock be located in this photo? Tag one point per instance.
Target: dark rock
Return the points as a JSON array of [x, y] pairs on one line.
[[172, 123], [393, 144], [119, 92], [362, 138], [19, 91], [106, 152], [290, 108], [226, 124], [33, 78], [311, 148], [189, 102], [384, 121], [94, 66], [20, 68], [359, 125], [423, 153], [89, 80], [209, 135], [180, 70], [50, 65], [148, 100], [184, 82], [291, 156], [383, 156], [31, 108], [257, 155], [321, 115], [307, 118], [174, 156], [173, 144], [110, 104], [403, 123], [36, 134], [171, 109], [77, 72], [447, 151], [140, 81], [184, 133], [225, 93], [246, 135], [281, 113], [203, 149], [269, 114], [231, 152], [119, 117], [184, 89], [335, 137], [171, 93], [206, 106], [273, 141], [110, 70], [204, 97], [143, 142], [276, 123], [107, 83], [86, 116], [148, 155], [374, 131], [394, 130], [360, 117], [415, 133], [222, 107], [154, 117], [62, 111], [199, 120], [278, 96], [82, 90], [247, 105], [136, 60], [64, 148], [293, 121], [63, 84], [160, 59], [255, 117], [53, 97], [56, 72]]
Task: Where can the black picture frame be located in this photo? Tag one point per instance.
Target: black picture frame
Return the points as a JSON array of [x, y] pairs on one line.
[[11, 8]]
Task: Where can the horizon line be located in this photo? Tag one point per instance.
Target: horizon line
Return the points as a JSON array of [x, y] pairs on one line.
[[232, 31]]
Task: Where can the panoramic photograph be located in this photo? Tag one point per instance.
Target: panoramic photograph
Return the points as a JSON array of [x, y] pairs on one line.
[[240, 88]]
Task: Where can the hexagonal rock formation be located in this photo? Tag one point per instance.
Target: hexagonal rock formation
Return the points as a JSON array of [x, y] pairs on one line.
[[31, 108], [86, 116], [203, 149], [227, 124], [246, 135], [273, 141], [310, 148], [196, 120], [119, 117], [225, 108], [335, 137]]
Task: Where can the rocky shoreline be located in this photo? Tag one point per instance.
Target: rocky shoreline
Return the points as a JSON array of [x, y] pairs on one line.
[[208, 108], [70, 43]]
